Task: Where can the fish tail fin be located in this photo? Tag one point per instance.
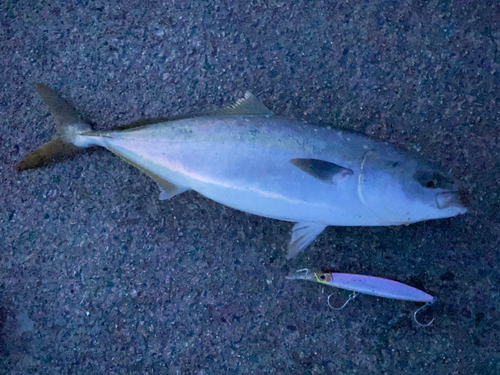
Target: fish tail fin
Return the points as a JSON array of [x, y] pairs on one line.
[[65, 142]]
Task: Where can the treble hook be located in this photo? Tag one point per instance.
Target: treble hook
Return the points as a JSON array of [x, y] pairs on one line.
[[420, 308], [351, 297]]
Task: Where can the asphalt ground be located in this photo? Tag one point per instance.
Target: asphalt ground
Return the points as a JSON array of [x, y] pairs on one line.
[[97, 276]]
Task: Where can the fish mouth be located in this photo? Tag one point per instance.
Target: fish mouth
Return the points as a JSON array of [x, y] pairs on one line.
[[450, 199]]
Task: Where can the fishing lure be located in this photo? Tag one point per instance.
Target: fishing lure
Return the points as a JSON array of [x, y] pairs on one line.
[[374, 286]]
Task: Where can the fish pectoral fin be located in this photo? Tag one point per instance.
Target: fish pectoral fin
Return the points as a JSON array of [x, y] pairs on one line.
[[303, 234], [249, 105], [322, 170], [168, 189]]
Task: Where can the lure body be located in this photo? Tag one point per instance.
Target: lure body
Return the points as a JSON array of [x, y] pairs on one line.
[[371, 285]]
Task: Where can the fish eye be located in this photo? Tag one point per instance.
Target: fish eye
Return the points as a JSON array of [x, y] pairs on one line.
[[431, 184], [432, 180], [322, 277]]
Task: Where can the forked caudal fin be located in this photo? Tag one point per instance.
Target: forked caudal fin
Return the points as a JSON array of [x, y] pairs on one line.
[[69, 123]]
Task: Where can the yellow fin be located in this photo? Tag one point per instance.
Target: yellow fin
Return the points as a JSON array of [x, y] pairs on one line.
[[53, 151], [249, 105], [149, 121], [57, 149], [167, 188], [60, 108]]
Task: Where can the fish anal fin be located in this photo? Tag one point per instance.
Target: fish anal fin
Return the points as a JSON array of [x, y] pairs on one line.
[[303, 234], [168, 189], [322, 170], [249, 105]]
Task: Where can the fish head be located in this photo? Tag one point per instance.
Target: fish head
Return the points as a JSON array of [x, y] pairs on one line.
[[398, 189]]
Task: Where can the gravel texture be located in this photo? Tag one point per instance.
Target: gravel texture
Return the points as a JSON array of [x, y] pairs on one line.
[[97, 276]]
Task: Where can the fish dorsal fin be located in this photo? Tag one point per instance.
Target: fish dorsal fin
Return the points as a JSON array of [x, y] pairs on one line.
[[151, 121], [303, 234], [143, 122], [322, 170], [247, 106]]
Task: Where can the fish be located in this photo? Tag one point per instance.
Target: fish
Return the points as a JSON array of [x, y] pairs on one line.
[[245, 157]]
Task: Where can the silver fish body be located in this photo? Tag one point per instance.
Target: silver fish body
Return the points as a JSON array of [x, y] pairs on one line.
[[245, 162], [282, 169]]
